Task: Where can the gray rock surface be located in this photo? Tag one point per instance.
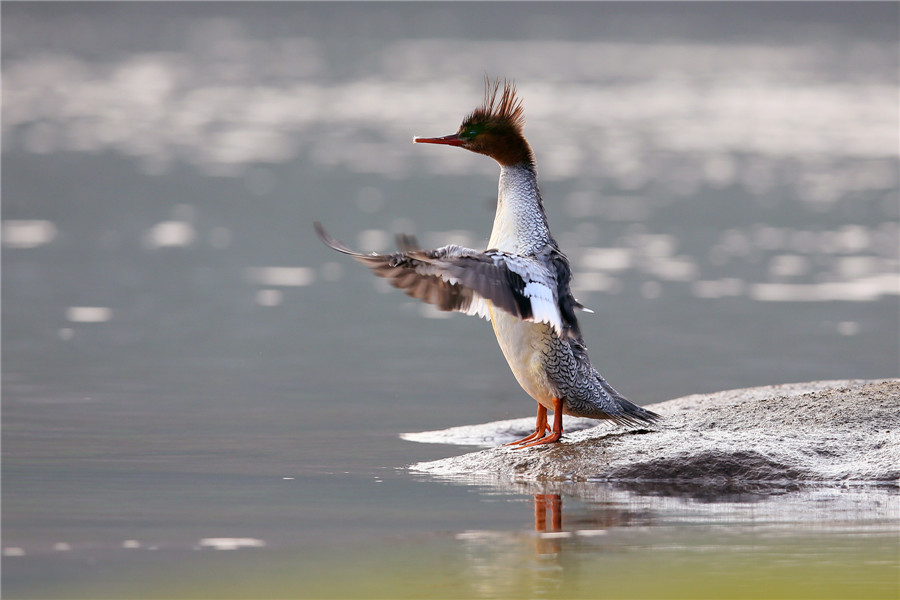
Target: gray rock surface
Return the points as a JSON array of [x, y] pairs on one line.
[[825, 431]]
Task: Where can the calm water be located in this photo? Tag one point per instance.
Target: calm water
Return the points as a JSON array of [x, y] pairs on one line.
[[201, 400]]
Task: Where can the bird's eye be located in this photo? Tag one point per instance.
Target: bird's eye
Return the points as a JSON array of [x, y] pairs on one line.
[[470, 132]]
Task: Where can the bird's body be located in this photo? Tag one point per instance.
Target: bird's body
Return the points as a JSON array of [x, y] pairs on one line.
[[521, 283]]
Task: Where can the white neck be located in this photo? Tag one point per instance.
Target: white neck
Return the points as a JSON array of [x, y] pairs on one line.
[[520, 226]]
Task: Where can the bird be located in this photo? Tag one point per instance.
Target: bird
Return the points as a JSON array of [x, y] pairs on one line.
[[521, 283]]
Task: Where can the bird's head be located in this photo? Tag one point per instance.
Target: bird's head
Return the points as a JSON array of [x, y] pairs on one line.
[[494, 128]]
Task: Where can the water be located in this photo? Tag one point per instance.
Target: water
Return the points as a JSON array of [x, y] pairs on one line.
[[201, 400]]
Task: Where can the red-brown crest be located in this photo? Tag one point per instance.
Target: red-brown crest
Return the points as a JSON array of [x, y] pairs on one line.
[[500, 107]]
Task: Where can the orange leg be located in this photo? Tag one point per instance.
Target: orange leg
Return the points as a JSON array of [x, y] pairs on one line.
[[540, 512], [541, 503], [557, 431], [556, 511], [540, 427]]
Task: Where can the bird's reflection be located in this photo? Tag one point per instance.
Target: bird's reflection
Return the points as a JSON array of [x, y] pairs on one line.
[[548, 544], [523, 562], [566, 555], [542, 502]]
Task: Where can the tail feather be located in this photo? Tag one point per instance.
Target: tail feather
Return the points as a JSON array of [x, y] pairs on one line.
[[628, 413]]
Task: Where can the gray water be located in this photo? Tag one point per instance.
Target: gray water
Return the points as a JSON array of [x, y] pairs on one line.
[[187, 370]]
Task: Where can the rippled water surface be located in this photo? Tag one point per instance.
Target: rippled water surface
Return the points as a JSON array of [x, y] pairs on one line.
[[201, 400]]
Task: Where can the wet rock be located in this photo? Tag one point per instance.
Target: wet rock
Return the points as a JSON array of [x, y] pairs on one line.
[[826, 431]]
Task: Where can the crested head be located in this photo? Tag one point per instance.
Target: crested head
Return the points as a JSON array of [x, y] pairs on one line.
[[503, 112], [494, 128]]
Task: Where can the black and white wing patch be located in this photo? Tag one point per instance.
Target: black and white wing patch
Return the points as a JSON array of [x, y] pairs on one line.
[[454, 278]]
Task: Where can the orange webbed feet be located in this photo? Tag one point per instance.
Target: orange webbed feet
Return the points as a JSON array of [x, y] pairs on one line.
[[538, 438], [540, 428]]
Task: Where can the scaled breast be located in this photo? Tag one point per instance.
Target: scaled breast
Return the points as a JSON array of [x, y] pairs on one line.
[[520, 226]]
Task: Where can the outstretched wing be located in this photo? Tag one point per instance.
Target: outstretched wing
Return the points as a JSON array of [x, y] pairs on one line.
[[454, 278]]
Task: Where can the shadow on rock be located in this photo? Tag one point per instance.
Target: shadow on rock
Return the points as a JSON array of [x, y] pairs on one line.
[[711, 476]]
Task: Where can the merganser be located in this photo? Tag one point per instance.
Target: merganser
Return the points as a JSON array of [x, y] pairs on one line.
[[521, 283]]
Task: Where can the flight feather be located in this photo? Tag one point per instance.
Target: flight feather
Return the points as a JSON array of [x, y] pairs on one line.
[[454, 278]]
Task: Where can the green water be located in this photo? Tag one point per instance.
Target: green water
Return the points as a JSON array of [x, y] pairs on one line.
[[583, 559]]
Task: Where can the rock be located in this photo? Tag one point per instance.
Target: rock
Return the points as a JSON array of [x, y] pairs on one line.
[[806, 433], [490, 434]]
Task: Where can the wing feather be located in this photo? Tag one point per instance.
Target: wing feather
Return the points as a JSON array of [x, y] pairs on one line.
[[454, 278]]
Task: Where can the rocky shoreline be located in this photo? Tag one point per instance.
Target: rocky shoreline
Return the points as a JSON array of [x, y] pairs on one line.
[[821, 432]]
